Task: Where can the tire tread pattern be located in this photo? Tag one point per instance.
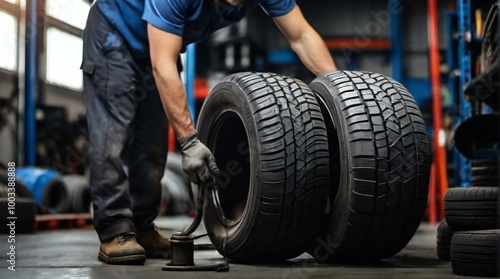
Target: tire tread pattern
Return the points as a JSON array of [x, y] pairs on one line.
[[293, 167], [476, 253], [390, 167], [471, 208]]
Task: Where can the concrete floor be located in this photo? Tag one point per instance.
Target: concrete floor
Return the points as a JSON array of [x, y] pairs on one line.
[[73, 254]]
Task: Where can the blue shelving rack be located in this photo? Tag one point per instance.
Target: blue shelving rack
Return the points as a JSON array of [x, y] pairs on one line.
[[459, 60]]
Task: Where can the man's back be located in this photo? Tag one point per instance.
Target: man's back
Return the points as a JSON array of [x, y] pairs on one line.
[[194, 20]]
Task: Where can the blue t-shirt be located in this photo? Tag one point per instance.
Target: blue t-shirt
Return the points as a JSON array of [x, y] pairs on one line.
[[194, 20]]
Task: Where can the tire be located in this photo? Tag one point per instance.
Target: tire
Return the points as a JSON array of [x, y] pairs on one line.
[[473, 137], [484, 180], [21, 189], [379, 166], [484, 173], [174, 164], [268, 136], [78, 189], [176, 199], [471, 208], [25, 211], [444, 235], [489, 164], [46, 188], [484, 167], [4, 192], [476, 253]]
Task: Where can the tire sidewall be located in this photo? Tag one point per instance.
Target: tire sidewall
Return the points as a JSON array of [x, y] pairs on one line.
[[228, 97], [339, 206]]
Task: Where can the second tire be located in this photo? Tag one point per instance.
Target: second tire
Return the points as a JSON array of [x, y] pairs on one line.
[[379, 166]]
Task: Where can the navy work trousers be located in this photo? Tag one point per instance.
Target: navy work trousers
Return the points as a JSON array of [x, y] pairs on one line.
[[127, 130]]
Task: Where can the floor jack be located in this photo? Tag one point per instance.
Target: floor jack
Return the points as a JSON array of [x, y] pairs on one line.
[[182, 244]]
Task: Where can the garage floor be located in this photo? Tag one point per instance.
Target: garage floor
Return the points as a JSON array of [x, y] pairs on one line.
[[73, 254]]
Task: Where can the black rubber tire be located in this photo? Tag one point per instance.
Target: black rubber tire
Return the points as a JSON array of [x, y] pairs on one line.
[[490, 164], [174, 164], [482, 168], [443, 243], [476, 253], [484, 180], [269, 138], [485, 167], [176, 199], [78, 193], [56, 197], [471, 208], [21, 190], [4, 192], [379, 166], [490, 170], [24, 211]]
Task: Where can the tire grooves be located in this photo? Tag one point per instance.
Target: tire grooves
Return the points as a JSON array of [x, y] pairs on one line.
[[475, 253], [376, 155], [471, 207], [392, 221], [294, 148]]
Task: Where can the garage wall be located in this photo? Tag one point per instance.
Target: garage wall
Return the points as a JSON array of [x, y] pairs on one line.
[[7, 140], [351, 18], [334, 19], [54, 96]]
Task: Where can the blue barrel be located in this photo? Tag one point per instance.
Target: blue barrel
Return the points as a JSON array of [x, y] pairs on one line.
[[47, 188]]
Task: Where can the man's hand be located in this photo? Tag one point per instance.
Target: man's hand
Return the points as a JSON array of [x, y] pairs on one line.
[[197, 160]]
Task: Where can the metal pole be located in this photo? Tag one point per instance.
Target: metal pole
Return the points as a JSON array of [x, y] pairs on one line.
[[396, 43], [437, 113], [190, 76], [464, 57]]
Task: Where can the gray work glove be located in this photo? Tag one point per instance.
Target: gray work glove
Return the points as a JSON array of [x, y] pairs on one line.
[[197, 160]]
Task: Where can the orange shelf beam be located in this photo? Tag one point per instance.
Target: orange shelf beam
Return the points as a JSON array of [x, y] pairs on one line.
[[355, 43]]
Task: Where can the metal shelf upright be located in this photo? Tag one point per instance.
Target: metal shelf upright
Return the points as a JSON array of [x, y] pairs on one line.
[[464, 11]]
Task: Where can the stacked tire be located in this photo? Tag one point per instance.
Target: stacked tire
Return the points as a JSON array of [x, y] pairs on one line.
[[470, 236], [176, 197], [339, 168], [14, 194]]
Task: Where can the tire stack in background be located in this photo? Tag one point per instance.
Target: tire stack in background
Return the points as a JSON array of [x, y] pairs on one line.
[[470, 236], [42, 192], [176, 195], [55, 193], [78, 193], [23, 202]]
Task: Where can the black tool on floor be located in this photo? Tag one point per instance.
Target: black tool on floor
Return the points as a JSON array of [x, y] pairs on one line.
[[182, 244]]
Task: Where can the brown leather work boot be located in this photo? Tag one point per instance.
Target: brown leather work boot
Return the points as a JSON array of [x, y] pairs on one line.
[[122, 249], [156, 246]]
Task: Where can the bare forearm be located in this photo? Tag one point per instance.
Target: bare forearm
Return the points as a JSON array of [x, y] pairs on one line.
[[173, 98], [313, 52]]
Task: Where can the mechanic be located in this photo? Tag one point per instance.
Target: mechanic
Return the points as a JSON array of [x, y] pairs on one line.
[[132, 88]]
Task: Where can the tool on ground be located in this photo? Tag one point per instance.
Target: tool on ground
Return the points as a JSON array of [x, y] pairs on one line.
[[182, 251]]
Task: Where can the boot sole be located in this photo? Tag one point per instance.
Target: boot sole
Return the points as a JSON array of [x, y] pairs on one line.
[[125, 260]]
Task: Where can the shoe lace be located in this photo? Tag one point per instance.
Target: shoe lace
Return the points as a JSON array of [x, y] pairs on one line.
[[125, 237]]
